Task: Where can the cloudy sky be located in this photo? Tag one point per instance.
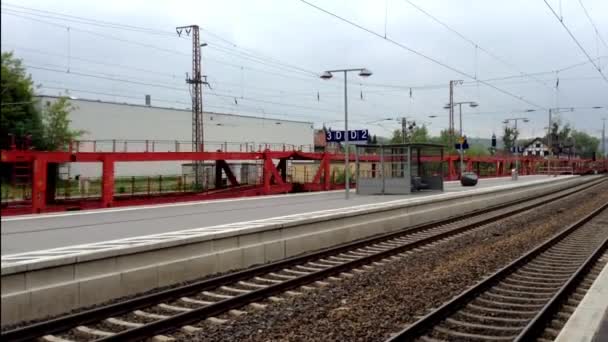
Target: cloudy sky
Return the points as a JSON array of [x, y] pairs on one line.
[[263, 57]]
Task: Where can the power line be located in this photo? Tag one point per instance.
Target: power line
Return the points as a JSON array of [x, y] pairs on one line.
[[172, 76], [473, 43], [593, 24], [561, 21], [168, 75], [150, 46], [82, 20], [281, 68], [225, 50], [521, 98], [77, 73], [92, 61], [247, 56], [122, 95]]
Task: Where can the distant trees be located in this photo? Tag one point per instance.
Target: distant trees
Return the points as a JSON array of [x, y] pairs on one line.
[[584, 144], [566, 140], [413, 134], [444, 139], [477, 150]]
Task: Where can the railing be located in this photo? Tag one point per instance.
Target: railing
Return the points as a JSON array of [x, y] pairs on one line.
[[555, 170], [120, 145]]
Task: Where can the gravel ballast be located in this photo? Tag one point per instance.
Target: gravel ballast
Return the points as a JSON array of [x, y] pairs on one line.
[[372, 305]]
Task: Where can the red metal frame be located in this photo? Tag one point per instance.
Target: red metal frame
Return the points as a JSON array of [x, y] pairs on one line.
[[273, 179]]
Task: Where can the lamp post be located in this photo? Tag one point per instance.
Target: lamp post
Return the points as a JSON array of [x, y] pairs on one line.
[[471, 104], [327, 75], [604, 138], [506, 121]]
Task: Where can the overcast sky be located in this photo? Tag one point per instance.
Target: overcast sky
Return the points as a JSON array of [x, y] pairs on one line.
[[263, 57]]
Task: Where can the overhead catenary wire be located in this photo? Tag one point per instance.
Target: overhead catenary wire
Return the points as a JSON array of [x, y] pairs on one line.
[[392, 87], [83, 20], [243, 54], [324, 84], [418, 53], [209, 59], [473, 43], [94, 61], [179, 89], [266, 72], [597, 32], [163, 100], [561, 21], [114, 25]]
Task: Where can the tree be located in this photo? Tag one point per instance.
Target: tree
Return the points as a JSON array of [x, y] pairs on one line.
[[444, 139], [413, 134], [49, 127], [19, 115], [419, 135], [477, 150], [561, 136], [584, 144], [56, 121], [397, 137], [509, 138]]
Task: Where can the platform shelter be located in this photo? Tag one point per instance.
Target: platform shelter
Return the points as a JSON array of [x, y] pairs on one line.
[[400, 168]]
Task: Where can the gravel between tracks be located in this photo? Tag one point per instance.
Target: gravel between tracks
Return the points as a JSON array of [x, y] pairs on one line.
[[372, 305]]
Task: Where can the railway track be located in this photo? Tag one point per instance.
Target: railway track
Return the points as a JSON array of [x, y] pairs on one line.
[[218, 298], [520, 301]]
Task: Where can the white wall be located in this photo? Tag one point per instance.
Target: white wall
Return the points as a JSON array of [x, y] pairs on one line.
[[107, 121]]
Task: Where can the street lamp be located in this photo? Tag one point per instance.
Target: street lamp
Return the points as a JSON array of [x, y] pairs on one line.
[[471, 104], [506, 121], [363, 72]]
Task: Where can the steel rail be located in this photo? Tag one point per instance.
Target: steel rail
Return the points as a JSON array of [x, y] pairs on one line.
[[428, 322]]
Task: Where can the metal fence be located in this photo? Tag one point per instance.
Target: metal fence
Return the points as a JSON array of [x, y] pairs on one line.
[[118, 145]]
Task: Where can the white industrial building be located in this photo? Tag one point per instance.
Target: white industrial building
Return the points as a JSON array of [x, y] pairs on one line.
[[114, 126]]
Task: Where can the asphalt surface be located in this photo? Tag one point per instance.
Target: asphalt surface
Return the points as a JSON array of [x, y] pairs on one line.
[[38, 232]]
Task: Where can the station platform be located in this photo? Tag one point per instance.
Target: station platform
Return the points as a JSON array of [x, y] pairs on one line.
[[46, 231]]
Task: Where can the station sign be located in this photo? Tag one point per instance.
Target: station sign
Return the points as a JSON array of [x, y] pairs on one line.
[[462, 141], [517, 149], [354, 135]]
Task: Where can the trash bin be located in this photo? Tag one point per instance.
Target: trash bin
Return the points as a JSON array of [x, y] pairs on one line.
[[514, 174], [469, 179]]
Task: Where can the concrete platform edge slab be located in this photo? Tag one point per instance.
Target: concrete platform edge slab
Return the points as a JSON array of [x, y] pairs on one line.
[[80, 253], [590, 314]]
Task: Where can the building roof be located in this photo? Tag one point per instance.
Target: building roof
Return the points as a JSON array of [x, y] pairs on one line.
[[532, 141], [170, 108]]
